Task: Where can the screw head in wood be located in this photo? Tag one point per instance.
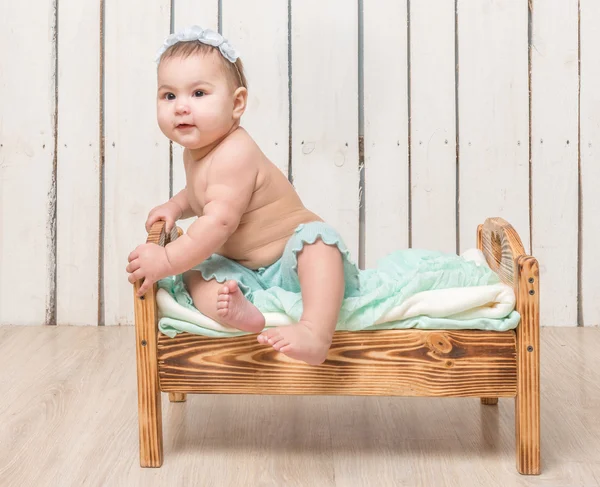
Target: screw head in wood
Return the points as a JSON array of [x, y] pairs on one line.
[[532, 292], [144, 342], [530, 348], [531, 279]]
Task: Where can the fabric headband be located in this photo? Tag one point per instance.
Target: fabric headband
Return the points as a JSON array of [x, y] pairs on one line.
[[205, 36]]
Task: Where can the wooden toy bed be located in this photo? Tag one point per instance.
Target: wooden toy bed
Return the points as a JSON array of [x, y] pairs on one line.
[[406, 362]]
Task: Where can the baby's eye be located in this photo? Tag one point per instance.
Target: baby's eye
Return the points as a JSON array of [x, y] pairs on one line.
[[169, 96], [198, 93]]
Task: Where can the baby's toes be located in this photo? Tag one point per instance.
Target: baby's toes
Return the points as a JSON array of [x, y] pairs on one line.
[[231, 286], [281, 343], [222, 307], [266, 334], [274, 339]]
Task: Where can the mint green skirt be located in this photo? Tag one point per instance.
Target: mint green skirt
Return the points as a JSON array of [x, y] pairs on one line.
[[282, 274]]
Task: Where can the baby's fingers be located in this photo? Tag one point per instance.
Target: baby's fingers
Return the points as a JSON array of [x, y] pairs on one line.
[[169, 224], [145, 286], [133, 266], [135, 276], [152, 219]]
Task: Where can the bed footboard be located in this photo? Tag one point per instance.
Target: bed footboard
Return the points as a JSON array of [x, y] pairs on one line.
[[505, 255]]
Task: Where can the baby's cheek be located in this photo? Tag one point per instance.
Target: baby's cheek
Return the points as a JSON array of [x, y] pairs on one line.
[[164, 124]]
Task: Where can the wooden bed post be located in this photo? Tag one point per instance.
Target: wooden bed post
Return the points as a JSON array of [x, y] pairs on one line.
[[146, 343], [488, 401], [149, 400], [527, 400]]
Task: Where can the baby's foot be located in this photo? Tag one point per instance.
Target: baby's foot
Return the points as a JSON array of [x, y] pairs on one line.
[[301, 341], [235, 310]]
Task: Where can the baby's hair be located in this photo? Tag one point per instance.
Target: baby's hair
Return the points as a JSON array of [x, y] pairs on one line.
[[234, 71]]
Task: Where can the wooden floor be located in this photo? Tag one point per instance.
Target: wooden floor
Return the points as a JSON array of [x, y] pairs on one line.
[[68, 409]]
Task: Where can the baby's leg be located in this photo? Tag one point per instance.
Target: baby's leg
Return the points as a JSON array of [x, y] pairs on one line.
[[321, 275], [225, 303]]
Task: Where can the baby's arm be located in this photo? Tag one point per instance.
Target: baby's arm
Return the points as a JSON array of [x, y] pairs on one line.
[[181, 200], [230, 182]]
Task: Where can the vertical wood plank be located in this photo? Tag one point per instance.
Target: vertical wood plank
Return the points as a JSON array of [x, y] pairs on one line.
[[493, 105], [554, 155], [590, 155], [264, 51], [386, 128], [325, 112], [527, 401], [136, 152], [186, 13], [27, 150], [149, 397], [433, 125], [78, 172]]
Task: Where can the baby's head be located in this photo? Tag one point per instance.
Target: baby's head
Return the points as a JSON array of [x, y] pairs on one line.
[[202, 89]]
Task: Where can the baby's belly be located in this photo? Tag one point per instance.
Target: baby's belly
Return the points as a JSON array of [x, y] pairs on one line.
[[260, 243]]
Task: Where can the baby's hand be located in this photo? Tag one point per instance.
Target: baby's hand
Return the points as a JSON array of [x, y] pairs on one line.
[[149, 262], [170, 212]]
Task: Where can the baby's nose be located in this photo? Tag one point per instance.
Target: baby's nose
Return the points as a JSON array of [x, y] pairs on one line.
[[182, 109]]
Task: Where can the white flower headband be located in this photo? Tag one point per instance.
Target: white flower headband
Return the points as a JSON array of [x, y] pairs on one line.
[[205, 36]]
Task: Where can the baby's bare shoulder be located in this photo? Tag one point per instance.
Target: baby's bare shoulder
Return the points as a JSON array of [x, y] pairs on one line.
[[239, 143], [235, 157]]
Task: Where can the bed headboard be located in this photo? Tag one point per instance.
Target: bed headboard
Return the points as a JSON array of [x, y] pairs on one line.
[[502, 246]]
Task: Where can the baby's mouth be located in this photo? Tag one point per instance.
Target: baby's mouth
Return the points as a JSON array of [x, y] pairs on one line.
[[183, 126]]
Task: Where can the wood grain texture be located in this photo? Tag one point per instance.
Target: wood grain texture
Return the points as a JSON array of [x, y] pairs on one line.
[[68, 420], [78, 171], [149, 400], [27, 161], [489, 401], [590, 168], [501, 245], [177, 397], [386, 114], [527, 402], [389, 362], [433, 363], [433, 125], [324, 37], [493, 114], [136, 151], [554, 155]]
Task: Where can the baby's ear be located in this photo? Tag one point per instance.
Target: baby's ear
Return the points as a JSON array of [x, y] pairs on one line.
[[240, 98]]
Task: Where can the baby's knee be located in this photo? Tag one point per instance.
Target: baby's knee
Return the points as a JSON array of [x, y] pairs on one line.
[[320, 250]]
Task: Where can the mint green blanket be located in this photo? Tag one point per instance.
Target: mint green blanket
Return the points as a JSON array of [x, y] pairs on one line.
[[402, 275]]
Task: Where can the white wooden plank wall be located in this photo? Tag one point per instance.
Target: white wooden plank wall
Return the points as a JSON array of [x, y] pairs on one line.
[[325, 112], [204, 13], [263, 48], [433, 126], [78, 171], [417, 89], [493, 110], [385, 128], [554, 150], [27, 107], [136, 151], [590, 165]]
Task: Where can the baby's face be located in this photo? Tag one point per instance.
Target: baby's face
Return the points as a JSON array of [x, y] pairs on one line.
[[195, 100]]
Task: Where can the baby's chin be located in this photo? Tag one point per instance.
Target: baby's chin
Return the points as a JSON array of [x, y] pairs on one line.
[[189, 142]]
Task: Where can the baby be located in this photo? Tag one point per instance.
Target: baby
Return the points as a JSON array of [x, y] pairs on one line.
[[252, 230]]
